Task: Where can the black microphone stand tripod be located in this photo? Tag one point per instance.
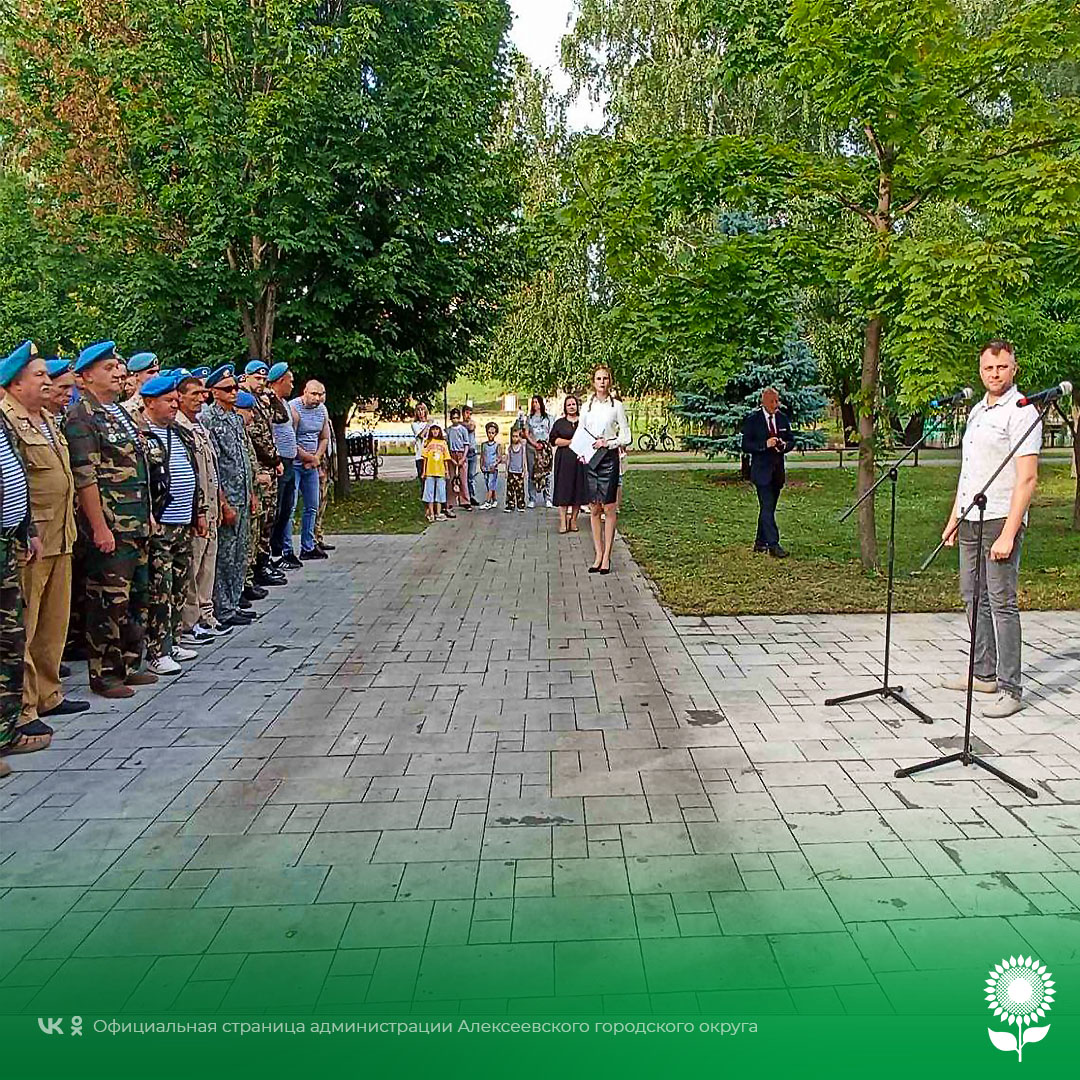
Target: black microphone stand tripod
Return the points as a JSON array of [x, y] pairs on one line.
[[884, 690], [964, 755]]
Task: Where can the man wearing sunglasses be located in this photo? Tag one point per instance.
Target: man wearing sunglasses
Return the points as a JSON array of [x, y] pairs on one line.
[[236, 485]]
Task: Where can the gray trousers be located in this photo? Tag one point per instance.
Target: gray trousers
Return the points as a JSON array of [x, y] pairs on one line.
[[231, 565], [997, 635]]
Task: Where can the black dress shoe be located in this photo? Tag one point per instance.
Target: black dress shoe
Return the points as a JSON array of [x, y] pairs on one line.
[[760, 549], [245, 603], [326, 547], [65, 671], [314, 553], [237, 619], [777, 552], [604, 570], [594, 569], [35, 727], [253, 592], [67, 707]]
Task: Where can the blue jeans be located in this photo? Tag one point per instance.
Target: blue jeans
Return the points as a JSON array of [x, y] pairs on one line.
[[307, 484], [286, 503], [472, 466]]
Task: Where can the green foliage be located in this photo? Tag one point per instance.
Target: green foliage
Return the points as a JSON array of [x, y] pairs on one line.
[[308, 178]]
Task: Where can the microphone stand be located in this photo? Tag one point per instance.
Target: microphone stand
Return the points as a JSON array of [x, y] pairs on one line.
[[884, 690], [964, 755]]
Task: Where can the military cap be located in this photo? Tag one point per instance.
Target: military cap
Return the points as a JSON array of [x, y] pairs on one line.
[[11, 365], [201, 373], [256, 367], [103, 350], [158, 385], [226, 371], [244, 400], [141, 361], [277, 371], [57, 367]]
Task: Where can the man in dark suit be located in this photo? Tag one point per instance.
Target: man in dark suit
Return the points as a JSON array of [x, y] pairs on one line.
[[767, 438]]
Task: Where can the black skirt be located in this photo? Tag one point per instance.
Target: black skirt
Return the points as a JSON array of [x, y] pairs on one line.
[[602, 478]]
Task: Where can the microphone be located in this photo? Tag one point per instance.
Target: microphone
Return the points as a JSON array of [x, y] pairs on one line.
[[961, 395], [1052, 394]]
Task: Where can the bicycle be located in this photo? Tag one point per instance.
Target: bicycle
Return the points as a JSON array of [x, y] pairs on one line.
[[648, 441]]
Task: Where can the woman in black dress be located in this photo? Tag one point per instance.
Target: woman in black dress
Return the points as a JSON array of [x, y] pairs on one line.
[[569, 472]]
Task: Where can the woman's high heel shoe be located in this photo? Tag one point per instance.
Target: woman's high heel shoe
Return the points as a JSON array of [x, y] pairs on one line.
[[595, 569]]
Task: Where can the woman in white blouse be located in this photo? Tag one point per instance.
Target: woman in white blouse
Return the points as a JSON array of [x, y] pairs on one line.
[[420, 428], [604, 418]]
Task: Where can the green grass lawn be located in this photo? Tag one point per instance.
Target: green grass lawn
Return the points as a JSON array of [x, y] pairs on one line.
[[692, 532], [377, 506]]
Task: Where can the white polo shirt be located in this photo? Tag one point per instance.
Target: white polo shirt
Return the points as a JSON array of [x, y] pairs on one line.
[[991, 431]]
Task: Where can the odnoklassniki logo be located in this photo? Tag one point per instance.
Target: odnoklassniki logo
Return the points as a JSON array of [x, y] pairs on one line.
[[1019, 991]]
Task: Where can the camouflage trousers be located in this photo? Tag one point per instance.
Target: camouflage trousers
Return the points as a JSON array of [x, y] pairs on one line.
[[76, 638], [170, 568], [232, 564], [117, 590], [12, 640], [324, 498], [261, 527]]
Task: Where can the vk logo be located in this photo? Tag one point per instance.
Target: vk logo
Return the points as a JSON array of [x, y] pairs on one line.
[[55, 1025]]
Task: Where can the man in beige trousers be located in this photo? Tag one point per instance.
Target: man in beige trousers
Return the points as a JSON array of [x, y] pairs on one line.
[[46, 580], [198, 625]]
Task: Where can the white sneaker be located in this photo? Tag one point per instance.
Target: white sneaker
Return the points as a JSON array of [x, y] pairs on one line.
[[521, 509], [550, 504], [163, 665], [530, 505], [508, 509], [179, 653], [980, 686], [1003, 705]]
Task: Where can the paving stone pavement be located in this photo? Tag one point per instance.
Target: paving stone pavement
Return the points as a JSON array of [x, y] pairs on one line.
[[456, 771]]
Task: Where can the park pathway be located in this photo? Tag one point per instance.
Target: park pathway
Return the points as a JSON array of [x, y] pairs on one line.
[[456, 774]]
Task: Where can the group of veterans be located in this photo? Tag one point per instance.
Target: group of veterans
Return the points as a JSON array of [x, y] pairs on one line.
[[143, 512]]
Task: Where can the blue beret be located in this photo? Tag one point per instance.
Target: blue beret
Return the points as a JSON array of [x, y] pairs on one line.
[[103, 350], [201, 373], [11, 365], [256, 367], [244, 400], [158, 385], [141, 361], [57, 367], [181, 374], [277, 371], [223, 372]]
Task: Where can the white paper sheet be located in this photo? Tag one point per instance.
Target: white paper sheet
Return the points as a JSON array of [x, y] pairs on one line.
[[582, 444]]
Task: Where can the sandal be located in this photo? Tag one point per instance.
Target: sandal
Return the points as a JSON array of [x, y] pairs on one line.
[[26, 744]]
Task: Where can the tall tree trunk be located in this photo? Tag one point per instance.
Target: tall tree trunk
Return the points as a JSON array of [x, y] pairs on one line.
[[339, 421], [848, 419], [868, 552]]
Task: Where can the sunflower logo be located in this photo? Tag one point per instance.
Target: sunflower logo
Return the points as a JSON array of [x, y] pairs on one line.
[[1019, 990]]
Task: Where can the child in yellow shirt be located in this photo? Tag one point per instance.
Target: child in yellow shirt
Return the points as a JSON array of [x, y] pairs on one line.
[[435, 456]]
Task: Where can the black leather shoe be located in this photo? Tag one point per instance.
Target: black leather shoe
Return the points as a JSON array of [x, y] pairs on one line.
[[290, 562], [314, 553], [777, 552], [65, 671], [237, 619], [67, 707], [325, 547], [253, 592], [35, 727], [245, 603]]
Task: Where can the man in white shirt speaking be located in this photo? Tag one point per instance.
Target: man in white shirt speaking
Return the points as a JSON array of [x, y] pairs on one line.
[[993, 426]]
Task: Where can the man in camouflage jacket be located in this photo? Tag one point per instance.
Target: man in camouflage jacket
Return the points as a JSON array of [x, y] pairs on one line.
[[109, 463]]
